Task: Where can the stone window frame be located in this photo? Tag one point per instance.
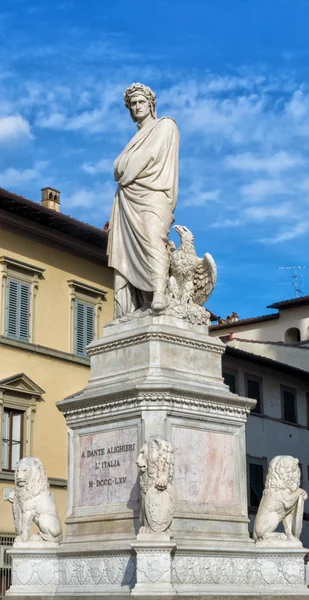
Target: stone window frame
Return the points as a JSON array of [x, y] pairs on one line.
[[19, 393], [259, 461], [11, 268], [89, 294], [294, 391], [259, 380]]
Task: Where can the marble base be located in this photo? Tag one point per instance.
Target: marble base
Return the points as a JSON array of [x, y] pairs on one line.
[[256, 573], [153, 566]]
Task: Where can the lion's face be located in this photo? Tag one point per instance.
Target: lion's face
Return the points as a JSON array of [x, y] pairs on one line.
[[142, 458], [22, 474], [30, 477]]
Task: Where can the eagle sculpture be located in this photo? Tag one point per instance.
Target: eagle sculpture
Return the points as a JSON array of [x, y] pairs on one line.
[[191, 279]]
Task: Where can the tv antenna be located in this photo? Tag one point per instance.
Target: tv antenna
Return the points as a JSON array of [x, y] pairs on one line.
[[295, 279]]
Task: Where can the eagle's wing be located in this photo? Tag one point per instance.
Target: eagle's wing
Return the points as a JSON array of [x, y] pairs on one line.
[[205, 278]]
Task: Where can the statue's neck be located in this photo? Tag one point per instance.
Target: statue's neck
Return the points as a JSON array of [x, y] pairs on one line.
[[148, 119]]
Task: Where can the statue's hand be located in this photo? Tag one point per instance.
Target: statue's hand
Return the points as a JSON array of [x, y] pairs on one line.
[[303, 494]]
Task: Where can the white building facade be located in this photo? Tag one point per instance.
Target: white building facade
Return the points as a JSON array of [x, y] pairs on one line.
[[262, 362]]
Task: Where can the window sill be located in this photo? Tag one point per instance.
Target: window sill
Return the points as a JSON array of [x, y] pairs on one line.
[[53, 481], [263, 416], [44, 350]]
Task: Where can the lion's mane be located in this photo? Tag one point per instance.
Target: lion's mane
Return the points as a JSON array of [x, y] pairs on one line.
[[274, 479], [160, 462], [37, 481]]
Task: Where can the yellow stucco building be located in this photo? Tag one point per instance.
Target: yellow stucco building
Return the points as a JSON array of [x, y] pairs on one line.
[[55, 296]]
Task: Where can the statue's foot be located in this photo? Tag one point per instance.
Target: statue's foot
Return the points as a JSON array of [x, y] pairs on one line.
[[158, 302]]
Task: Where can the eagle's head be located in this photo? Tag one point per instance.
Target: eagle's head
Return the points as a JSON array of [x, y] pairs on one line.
[[185, 234]]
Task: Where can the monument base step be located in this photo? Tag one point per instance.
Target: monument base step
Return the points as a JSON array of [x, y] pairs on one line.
[[241, 595], [257, 573]]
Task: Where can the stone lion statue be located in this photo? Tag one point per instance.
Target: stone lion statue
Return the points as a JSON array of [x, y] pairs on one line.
[[282, 502], [156, 464], [32, 501]]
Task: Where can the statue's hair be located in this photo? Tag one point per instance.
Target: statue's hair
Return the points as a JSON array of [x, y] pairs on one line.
[[140, 88], [37, 481], [274, 479]]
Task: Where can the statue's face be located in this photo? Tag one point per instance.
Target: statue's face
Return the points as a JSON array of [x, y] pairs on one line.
[[142, 458], [140, 107], [22, 474]]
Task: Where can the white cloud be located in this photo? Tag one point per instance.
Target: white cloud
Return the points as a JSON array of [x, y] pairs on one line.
[[275, 163], [262, 213], [289, 234], [16, 179], [14, 127], [100, 196], [105, 165], [264, 188], [227, 223], [196, 197]]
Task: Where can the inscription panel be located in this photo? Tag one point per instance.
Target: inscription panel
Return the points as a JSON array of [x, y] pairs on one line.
[[205, 471], [108, 470]]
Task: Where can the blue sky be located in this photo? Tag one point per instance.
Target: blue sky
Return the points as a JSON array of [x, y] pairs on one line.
[[235, 76]]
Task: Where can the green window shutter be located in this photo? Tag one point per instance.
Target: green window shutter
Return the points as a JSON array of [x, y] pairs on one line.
[[24, 313], [18, 310], [12, 309], [89, 323], [84, 327]]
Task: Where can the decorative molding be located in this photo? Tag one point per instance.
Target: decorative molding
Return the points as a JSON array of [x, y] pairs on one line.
[[256, 570], [44, 350], [53, 481], [175, 401], [87, 288], [21, 384], [95, 571], [19, 264], [152, 336]]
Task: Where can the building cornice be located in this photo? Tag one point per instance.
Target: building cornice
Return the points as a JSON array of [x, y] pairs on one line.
[[44, 351], [31, 228]]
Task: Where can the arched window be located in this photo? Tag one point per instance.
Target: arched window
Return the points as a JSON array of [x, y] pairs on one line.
[[292, 335]]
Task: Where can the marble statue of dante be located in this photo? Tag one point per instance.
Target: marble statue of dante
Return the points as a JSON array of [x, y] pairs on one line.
[[147, 175]]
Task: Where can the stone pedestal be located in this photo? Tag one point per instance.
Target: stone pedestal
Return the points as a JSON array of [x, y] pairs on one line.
[[157, 376], [153, 565]]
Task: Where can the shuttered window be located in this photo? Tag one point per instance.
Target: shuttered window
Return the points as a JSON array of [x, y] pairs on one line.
[[18, 310], [84, 326]]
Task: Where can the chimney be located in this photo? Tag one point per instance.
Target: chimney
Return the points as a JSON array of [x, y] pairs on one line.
[[51, 198]]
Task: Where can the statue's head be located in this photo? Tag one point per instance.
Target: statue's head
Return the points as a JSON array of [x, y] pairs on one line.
[[155, 458], [30, 476], [283, 473], [141, 102]]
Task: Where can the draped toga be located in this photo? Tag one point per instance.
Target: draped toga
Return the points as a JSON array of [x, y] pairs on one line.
[[147, 176]]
